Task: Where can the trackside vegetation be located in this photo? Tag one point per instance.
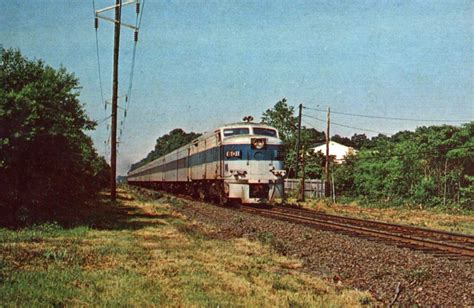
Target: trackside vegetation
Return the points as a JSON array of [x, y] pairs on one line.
[[142, 252], [46, 159], [432, 166]]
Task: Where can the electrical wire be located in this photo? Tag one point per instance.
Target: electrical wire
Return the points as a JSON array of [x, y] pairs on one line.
[[99, 122], [385, 118], [98, 56], [100, 80], [435, 153], [347, 126], [138, 21]]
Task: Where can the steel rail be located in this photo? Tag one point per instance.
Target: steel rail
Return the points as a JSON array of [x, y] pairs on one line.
[[398, 238], [446, 235]]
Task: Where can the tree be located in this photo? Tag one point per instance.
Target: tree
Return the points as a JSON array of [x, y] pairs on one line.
[[342, 140], [166, 144], [359, 141], [282, 117], [430, 166], [46, 159]]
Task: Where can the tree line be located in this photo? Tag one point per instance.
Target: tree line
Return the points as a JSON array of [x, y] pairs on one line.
[[46, 159], [431, 166]]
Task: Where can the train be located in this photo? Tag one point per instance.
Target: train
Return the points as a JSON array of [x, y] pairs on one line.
[[238, 162]]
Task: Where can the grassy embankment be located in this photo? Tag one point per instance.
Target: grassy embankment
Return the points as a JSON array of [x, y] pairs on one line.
[[141, 252], [461, 222]]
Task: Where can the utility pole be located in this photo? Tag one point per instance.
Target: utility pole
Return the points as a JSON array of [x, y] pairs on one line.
[[298, 145], [327, 183], [113, 151], [118, 23], [301, 197]]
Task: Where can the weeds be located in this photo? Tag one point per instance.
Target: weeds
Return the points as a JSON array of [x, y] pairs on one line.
[[189, 229], [177, 202], [56, 255], [238, 219], [365, 300], [267, 238], [417, 274], [281, 284]]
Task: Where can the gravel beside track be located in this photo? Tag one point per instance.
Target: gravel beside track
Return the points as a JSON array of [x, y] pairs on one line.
[[386, 271]]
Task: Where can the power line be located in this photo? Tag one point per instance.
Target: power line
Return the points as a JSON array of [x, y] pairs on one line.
[[138, 21], [98, 53], [386, 118], [347, 126], [436, 152], [103, 120], [431, 152]]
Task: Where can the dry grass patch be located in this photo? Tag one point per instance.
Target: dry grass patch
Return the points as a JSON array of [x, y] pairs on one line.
[[415, 217], [153, 256]]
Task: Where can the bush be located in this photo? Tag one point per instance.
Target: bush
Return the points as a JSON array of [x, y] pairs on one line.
[[46, 159]]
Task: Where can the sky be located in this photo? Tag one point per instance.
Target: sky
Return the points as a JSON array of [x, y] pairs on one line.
[[201, 64]]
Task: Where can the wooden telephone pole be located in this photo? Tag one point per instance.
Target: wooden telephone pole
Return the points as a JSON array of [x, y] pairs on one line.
[[298, 144], [301, 196], [327, 183], [113, 151]]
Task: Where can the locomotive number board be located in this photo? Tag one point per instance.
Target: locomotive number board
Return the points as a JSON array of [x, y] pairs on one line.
[[233, 154]]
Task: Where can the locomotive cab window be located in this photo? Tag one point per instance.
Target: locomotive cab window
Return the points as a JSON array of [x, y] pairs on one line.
[[264, 131], [236, 131]]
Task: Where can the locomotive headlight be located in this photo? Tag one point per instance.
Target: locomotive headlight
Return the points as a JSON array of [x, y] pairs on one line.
[[258, 143]]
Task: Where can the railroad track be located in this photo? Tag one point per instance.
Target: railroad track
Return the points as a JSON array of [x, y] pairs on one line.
[[439, 243]]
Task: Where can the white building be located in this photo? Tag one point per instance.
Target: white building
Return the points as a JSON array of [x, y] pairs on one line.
[[339, 151]]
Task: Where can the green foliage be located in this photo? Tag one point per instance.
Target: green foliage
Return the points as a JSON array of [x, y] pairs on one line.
[[431, 166], [166, 144], [314, 165], [46, 159], [282, 117]]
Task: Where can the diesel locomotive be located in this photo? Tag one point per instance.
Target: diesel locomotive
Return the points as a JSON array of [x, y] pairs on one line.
[[239, 161]]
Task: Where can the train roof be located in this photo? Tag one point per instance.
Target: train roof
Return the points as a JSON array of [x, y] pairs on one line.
[[247, 123]]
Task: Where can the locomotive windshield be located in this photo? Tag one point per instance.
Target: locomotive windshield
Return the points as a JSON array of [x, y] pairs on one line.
[[236, 131], [264, 131]]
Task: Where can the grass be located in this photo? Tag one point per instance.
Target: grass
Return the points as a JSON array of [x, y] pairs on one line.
[[141, 252], [462, 222]]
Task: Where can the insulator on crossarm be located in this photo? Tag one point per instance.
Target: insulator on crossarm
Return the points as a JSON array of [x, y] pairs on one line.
[[125, 113], [96, 22], [138, 7], [135, 36]]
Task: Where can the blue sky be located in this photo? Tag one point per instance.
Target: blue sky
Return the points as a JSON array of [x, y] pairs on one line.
[[201, 64]]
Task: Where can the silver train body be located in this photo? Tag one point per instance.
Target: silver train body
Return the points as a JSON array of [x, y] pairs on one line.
[[240, 161]]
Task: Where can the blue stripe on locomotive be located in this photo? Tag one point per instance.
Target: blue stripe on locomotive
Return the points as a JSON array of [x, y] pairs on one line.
[[270, 152]]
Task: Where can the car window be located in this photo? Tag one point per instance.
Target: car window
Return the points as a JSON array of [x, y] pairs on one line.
[[264, 131], [236, 131]]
